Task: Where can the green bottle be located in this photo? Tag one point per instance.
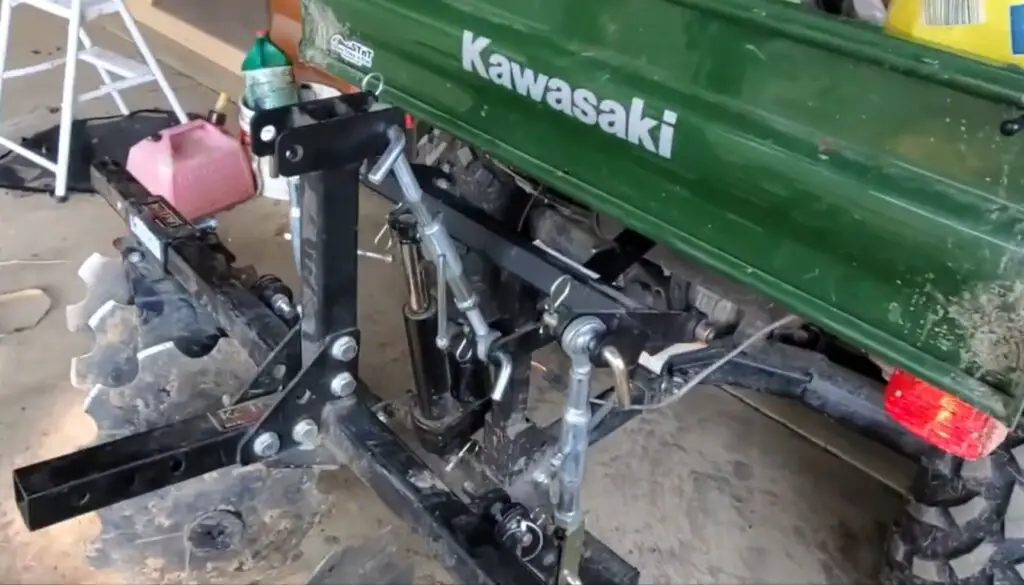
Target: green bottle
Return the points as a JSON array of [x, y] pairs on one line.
[[268, 76]]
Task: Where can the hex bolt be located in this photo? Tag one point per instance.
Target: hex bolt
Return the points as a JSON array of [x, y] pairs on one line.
[[345, 348], [135, 257], [305, 432], [704, 331], [266, 444], [343, 385]]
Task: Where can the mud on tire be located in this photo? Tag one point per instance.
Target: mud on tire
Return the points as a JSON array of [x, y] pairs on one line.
[[238, 524], [235, 524], [964, 523]]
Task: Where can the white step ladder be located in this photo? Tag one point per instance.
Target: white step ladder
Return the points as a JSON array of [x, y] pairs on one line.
[[79, 47]]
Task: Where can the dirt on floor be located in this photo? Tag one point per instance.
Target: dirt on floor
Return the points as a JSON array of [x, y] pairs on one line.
[[708, 491]]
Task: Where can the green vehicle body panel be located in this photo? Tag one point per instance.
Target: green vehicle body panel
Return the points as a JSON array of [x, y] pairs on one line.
[[858, 179]]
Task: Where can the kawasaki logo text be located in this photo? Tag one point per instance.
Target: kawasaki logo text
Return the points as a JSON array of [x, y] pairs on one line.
[[629, 123]]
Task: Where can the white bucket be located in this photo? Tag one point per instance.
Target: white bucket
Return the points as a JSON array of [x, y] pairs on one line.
[[267, 186]]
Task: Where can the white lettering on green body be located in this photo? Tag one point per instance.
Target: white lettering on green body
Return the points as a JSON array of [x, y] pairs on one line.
[[626, 122]]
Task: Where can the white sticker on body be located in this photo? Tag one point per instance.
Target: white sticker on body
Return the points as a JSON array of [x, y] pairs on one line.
[[352, 52], [953, 12], [146, 236]]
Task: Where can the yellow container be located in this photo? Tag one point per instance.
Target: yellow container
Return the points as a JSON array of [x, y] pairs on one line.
[[992, 30]]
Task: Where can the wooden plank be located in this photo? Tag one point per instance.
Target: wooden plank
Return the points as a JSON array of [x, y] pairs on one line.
[[232, 21], [213, 47]]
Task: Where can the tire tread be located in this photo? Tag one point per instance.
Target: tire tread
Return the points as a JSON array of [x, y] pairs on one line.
[[964, 522]]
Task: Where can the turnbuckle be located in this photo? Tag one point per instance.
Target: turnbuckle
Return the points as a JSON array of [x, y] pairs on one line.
[[437, 246], [578, 340]]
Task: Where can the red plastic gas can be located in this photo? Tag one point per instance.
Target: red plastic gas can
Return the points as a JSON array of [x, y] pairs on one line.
[[198, 168]]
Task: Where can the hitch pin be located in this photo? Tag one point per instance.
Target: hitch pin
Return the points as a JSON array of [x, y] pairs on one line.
[[620, 370], [388, 258], [504, 375]]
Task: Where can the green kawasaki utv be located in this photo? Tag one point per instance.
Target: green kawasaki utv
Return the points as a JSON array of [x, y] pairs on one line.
[[678, 192]]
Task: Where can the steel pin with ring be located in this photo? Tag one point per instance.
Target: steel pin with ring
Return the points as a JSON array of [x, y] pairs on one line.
[[365, 84], [464, 351], [384, 231], [556, 296], [560, 291]]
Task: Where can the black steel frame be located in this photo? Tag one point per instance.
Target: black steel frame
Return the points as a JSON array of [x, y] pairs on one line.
[[296, 364], [325, 143]]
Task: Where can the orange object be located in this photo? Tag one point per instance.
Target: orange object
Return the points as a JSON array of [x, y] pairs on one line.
[[286, 31]]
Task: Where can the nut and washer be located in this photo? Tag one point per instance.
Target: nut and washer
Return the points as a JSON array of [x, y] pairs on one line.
[[343, 385], [266, 444], [345, 349]]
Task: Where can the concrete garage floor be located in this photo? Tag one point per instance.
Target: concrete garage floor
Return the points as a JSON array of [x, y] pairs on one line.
[[709, 491]]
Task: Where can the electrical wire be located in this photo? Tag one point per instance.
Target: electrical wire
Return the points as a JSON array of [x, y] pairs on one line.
[[601, 413], [703, 374]]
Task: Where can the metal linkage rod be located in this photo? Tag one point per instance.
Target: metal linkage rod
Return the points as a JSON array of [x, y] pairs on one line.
[[579, 339], [439, 247]]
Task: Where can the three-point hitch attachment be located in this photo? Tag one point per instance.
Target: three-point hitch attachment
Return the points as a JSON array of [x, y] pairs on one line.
[[519, 518]]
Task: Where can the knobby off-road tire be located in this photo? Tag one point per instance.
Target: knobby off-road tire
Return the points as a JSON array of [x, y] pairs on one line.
[[964, 524], [238, 524]]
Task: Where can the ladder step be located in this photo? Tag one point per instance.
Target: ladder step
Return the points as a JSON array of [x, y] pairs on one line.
[[113, 62], [33, 69], [62, 8], [30, 155], [115, 86]]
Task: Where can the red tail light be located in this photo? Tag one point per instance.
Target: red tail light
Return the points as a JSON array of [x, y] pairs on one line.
[[941, 418]]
